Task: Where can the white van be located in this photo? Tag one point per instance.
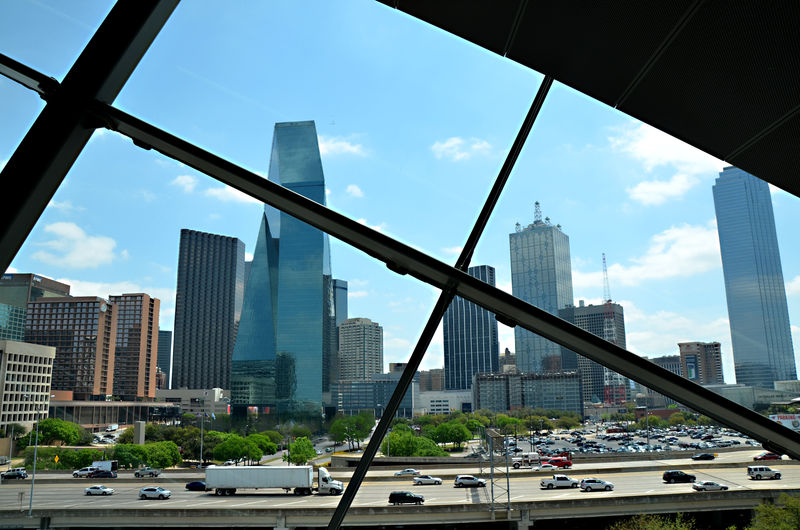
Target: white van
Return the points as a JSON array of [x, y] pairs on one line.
[[759, 472]]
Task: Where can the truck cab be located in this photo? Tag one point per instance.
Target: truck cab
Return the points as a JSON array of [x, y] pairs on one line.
[[327, 485]]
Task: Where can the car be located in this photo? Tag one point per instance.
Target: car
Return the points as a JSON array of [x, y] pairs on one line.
[[759, 472], [468, 481], [147, 471], [596, 484], [704, 456], [410, 471], [426, 479], [545, 466], [319, 452], [767, 456], [197, 485], [328, 449], [103, 473], [229, 463], [405, 497], [84, 472], [14, 474], [673, 476], [707, 485], [154, 492], [99, 490]]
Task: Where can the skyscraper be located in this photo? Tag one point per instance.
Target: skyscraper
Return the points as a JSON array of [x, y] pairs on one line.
[[470, 337], [701, 362], [16, 290], [164, 356], [208, 305], [287, 338], [137, 346], [360, 349], [541, 274], [751, 264]]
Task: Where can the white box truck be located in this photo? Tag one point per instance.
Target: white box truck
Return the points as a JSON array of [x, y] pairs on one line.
[[226, 480], [106, 465]]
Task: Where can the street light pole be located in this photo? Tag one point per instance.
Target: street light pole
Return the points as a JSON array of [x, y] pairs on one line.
[[202, 423], [35, 455]]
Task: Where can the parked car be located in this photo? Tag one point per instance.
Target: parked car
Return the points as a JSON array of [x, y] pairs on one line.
[[154, 492], [426, 479], [767, 456], [759, 472], [595, 484], [410, 471], [14, 474], [405, 497], [99, 490], [704, 456], [466, 481], [197, 485], [103, 473], [147, 471], [707, 485], [673, 476], [84, 472]]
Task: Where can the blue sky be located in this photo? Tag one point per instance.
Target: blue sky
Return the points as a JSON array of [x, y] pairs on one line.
[[413, 125]]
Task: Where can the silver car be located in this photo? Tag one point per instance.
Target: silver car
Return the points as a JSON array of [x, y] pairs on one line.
[[707, 485], [596, 484], [154, 492], [426, 479], [99, 490]]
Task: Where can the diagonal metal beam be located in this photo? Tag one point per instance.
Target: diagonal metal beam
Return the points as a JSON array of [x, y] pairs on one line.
[[45, 155]]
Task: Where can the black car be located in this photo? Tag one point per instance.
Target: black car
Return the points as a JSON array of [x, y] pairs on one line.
[[14, 474], [677, 476], [197, 485], [104, 473], [703, 456], [401, 497]]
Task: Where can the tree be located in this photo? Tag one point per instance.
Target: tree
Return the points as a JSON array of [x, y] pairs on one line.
[[300, 452], [15, 428], [352, 429], [54, 430], [126, 437], [299, 431], [655, 522], [235, 447], [785, 515], [263, 443], [274, 436], [452, 432]]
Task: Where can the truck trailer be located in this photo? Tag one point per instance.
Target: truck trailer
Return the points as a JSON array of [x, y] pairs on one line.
[[226, 480]]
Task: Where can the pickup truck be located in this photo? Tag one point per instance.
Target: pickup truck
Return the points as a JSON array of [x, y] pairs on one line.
[[559, 481], [147, 472]]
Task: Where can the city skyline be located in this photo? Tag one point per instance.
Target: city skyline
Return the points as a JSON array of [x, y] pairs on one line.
[[634, 193]]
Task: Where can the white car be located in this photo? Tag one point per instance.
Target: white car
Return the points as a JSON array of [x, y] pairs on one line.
[[545, 467], [468, 481], [83, 472], [707, 485], [426, 479], [99, 490], [410, 471], [154, 492], [596, 484]]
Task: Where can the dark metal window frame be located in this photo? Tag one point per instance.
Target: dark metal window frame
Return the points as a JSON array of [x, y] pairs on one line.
[[82, 102]]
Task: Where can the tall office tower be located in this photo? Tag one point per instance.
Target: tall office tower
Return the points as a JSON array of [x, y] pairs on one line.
[[137, 346], [340, 314], [599, 383], [701, 362], [287, 338], [360, 349], [164, 355], [470, 337], [208, 305], [541, 274], [759, 317], [16, 290], [25, 376], [83, 331]]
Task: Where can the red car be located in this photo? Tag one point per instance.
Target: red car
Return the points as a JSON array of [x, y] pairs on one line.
[[767, 456], [560, 462]]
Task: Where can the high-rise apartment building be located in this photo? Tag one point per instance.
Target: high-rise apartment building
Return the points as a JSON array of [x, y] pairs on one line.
[[208, 305], [164, 355], [285, 354], [541, 274], [83, 331], [470, 337], [701, 362], [16, 290], [751, 264], [136, 346], [25, 377], [360, 349], [669, 362]]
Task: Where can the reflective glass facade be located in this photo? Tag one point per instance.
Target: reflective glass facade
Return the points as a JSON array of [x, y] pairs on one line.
[[541, 274], [470, 337], [751, 263], [287, 336]]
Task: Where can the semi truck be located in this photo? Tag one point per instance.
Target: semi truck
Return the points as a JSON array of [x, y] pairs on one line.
[[227, 480]]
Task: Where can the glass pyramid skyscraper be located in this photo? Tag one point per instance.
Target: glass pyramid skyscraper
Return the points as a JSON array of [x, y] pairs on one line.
[[285, 347]]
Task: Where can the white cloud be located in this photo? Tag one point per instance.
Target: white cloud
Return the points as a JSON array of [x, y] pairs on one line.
[[354, 191], [396, 342], [329, 145], [64, 207], [248, 256], [654, 148], [74, 248], [186, 182], [125, 254], [357, 283], [378, 227], [458, 149], [678, 251], [3, 163], [655, 192], [228, 194], [357, 294], [11, 270], [793, 287], [453, 251]]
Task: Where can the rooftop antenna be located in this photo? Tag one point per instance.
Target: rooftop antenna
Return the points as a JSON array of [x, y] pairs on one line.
[[537, 212]]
